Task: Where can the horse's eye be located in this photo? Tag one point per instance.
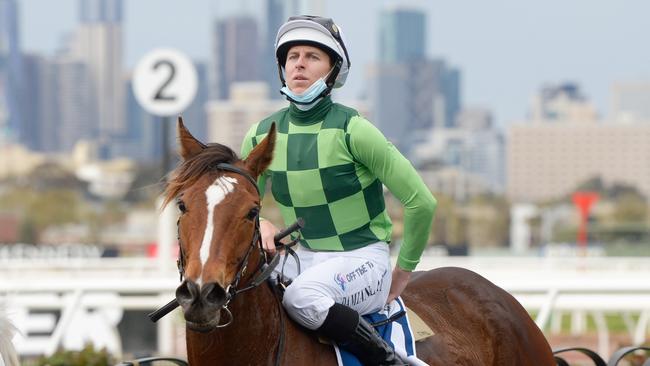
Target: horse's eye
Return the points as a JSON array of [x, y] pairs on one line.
[[181, 206], [252, 214]]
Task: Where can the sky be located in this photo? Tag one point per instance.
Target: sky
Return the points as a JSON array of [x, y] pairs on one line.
[[506, 49]]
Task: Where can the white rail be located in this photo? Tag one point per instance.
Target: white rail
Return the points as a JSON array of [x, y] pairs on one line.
[[546, 286], [579, 287]]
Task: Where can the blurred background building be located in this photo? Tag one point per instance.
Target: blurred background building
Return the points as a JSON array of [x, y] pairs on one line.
[[12, 94], [629, 101], [411, 92], [565, 144], [80, 159], [236, 57]]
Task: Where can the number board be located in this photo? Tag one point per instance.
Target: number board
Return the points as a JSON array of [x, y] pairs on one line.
[[164, 82]]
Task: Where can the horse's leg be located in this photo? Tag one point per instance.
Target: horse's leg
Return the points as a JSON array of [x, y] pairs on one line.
[[476, 322]]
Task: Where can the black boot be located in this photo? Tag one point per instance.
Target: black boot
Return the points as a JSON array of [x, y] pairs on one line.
[[353, 333]]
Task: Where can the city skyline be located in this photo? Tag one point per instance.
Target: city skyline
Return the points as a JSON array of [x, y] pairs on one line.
[[506, 51]]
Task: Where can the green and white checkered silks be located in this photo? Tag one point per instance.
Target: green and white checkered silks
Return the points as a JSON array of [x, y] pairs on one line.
[[315, 176]]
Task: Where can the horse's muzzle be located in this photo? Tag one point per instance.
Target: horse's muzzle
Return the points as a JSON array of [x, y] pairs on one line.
[[201, 305]]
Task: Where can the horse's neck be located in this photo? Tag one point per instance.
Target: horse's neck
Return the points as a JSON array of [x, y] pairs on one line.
[[254, 332], [259, 330]]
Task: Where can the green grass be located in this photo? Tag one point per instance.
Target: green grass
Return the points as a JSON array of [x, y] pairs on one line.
[[615, 323], [623, 249]]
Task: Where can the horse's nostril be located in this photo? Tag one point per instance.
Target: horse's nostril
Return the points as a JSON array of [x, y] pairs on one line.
[[187, 292], [213, 293]]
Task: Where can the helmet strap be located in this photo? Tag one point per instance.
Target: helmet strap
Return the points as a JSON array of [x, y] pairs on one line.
[[281, 74], [334, 73]]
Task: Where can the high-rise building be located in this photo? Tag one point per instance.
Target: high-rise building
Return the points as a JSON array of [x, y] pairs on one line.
[[451, 91], [386, 90], [275, 16], [31, 128], [49, 107], [434, 98], [411, 92], [413, 97], [98, 44], [547, 161], [565, 144], [402, 36], [62, 104], [143, 139], [235, 55], [195, 115], [73, 102], [11, 73], [101, 11]]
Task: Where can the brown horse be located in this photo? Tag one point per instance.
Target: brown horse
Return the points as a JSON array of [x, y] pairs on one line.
[[234, 318]]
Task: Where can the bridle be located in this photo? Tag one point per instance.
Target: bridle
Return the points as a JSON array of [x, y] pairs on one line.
[[233, 288], [264, 271]]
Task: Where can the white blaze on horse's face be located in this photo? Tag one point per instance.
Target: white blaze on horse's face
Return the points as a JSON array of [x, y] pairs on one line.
[[214, 195]]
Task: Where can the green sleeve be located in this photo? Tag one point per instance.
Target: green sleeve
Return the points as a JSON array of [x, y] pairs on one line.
[[370, 147], [246, 148]]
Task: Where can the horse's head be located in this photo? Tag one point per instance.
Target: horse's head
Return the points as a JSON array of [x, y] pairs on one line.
[[218, 227]]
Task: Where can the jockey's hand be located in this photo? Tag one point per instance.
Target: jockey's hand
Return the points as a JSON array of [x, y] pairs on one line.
[[400, 280], [268, 231]]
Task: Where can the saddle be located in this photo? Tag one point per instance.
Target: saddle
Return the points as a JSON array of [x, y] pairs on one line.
[[421, 330]]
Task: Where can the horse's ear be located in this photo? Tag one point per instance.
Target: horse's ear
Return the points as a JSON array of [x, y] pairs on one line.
[[188, 144], [260, 157]]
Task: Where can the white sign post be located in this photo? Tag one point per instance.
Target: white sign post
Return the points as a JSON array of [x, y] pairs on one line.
[[165, 83]]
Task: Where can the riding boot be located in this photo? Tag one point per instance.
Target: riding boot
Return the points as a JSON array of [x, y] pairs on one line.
[[353, 333]]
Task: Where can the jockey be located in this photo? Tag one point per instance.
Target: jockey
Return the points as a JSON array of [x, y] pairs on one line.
[[329, 167]]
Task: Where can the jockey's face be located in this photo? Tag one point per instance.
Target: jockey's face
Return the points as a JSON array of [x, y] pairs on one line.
[[305, 64]]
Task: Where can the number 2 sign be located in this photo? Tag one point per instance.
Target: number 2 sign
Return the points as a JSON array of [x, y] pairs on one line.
[[164, 82]]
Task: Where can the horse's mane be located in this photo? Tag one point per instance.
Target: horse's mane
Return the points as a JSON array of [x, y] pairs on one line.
[[190, 170]]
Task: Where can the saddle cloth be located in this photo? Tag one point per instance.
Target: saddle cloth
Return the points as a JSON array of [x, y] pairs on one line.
[[397, 333]]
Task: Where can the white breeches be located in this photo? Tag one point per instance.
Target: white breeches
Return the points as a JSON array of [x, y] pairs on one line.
[[358, 278]]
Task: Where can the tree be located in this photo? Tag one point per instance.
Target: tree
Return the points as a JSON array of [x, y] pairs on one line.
[[40, 210], [630, 207], [448, 223], [488, 221]]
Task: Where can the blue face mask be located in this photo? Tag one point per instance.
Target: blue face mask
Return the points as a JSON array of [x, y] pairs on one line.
[[309, 95]]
